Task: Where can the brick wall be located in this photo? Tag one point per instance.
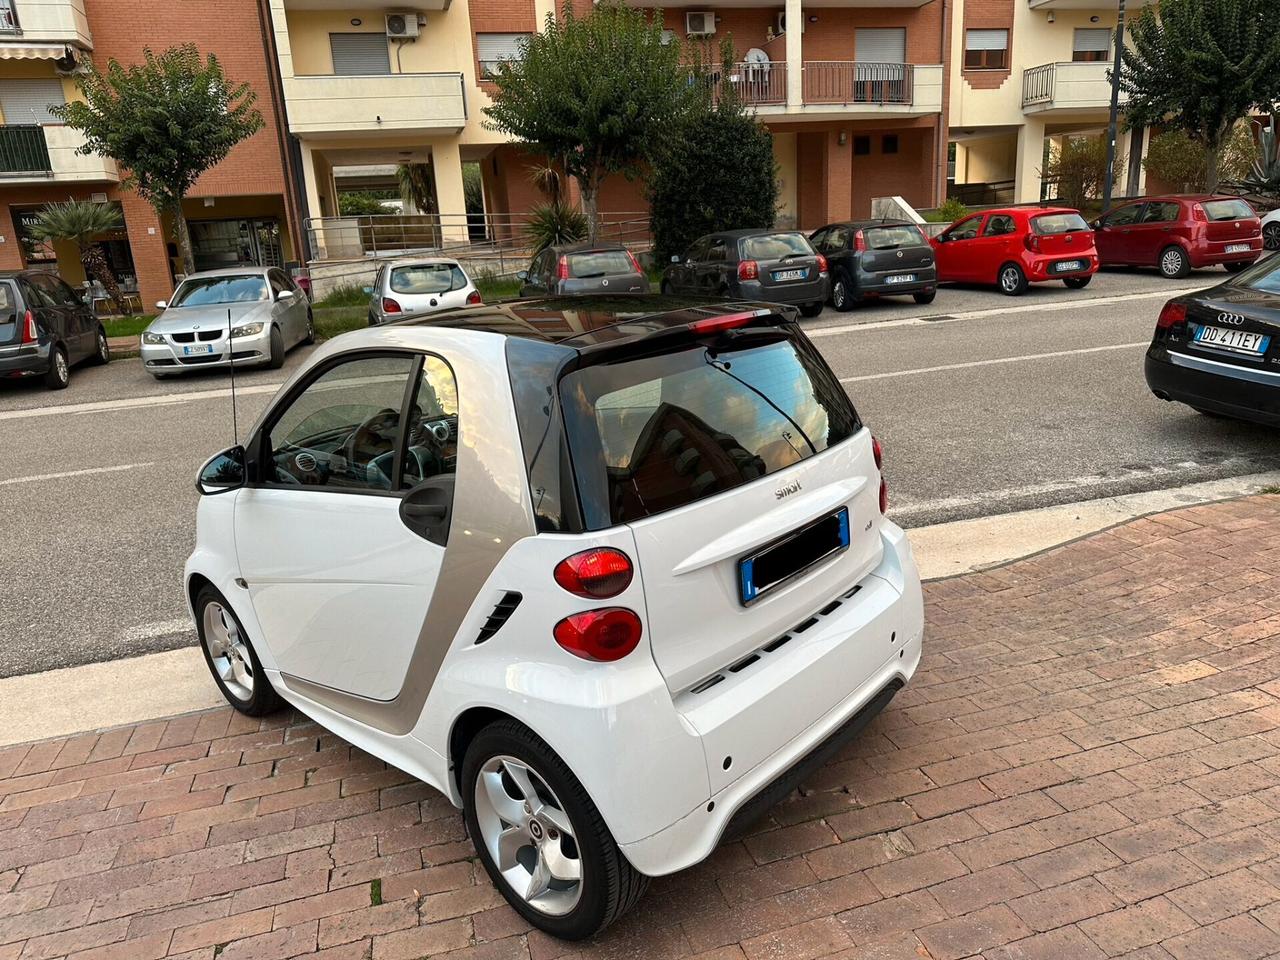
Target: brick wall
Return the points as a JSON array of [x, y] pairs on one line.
[[988, 15]]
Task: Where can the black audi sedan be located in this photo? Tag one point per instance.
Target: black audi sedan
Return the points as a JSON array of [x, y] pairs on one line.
[[777, 266], [1218, 350], [877, 258]]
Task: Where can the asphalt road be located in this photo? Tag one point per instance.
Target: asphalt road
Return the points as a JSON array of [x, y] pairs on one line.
[[984, 404]]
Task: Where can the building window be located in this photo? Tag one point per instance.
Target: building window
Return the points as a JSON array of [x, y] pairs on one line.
[[861, 146], [889, 144], [359, 54], [495, 48], [986, 49], [1091, 44]]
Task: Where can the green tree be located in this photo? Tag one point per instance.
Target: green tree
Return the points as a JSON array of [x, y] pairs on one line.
[[1176, 159], [1202, 65], [1077, 169], [166, 120], [81, 222], [597, 92], [364, 203], [417, 186]]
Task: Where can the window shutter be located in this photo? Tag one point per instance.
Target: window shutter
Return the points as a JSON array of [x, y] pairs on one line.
[[986, 39], [1092, 40], [880, 46], [359, 54], [28, 101], [493, 48]]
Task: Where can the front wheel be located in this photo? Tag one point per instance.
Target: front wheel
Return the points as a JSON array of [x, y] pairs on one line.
[[1013, 282], [664, 288], [1077, 283], [59, 374], [1271, 236], [811, 310], [276, 360], [231, 657], [540, 837], [102, 349], [1174, 263]]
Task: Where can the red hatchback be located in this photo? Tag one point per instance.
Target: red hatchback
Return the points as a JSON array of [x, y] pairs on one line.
[[1014, 247], [1178, 233]]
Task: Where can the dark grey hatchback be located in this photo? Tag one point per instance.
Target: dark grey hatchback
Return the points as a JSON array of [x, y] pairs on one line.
[[45, 327], [877, 258], [775, 266], [583, 268]]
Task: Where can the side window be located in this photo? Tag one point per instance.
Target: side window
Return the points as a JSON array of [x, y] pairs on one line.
[[819, 239], [1160, 212], [717, 252], [536, 267], [341, 431], [966, 229], [433, 426], [68, 292], [1123, 217], [278, 283], [52, 288], [839, 240], [34, 296], [999, 225], [698, 251]]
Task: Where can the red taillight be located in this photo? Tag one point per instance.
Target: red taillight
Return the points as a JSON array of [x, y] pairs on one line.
[[562, 268], [390, 306], [595, 574], [474, 297], [1197, 213], [728, 321], [1032, 242], [634, 262], [859, 241], [878, 452], [822, 264], [1170, 314], [748, 270], [28, 327], [602, 635]]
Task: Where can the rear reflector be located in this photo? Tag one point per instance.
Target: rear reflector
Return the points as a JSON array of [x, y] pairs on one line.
[[748, 270], [390, 306], [595, 574], [602, 635], [474, 297], [1170, 314]]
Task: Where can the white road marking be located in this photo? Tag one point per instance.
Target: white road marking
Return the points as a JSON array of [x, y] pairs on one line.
[[986, 363], [132, 403], [76, 473], [158, 628]]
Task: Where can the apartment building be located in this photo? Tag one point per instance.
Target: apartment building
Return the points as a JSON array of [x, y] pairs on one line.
[[240, 211]]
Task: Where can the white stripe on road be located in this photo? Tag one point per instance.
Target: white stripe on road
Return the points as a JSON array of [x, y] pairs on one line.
[[986, 363], [129, 403], [158, 628], [75, 473]]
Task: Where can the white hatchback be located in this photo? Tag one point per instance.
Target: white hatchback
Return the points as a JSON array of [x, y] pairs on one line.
[[613, 582], [408, 287]]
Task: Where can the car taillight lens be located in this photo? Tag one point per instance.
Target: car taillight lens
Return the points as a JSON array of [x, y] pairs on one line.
[[28, 327], [634, 262], [1032, 242], [748, 270], [390, 306], [474, 297], [1171, 313], [859, 241], [822, 264], [595, 574], [1197, 213], [602, 635], [878, 452], [562, 268]]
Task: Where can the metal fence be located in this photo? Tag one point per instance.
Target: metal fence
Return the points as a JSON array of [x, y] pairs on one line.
[[849, 81], [8, 17], [1037, 84], [23, 150], [754, 83], [995, 193]]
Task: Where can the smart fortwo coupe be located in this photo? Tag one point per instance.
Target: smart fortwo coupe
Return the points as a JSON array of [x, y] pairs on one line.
[[611, 574]]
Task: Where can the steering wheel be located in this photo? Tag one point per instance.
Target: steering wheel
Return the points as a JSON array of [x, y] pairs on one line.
[[374, 437]]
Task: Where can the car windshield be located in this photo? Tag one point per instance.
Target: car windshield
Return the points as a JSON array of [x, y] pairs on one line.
[[209, 291], [886, 238], [1048, 224], [599, 263], [1228, 210], [1263, 276], [776, 246], [427, 278]]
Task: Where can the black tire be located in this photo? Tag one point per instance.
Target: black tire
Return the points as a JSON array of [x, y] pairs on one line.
[[610, 885], [264, 699], [372, 321], [841, 297], [664, 288], [924, 298], [811, 310], [1237, 266], [277, 349], [310, 337], [59, 373], [1011, 280], [1077, 283], [1271, 236], [1173, 263], [102, 349]]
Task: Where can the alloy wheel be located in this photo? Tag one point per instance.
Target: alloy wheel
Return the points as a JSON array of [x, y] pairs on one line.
[[60, 364], [227, 650], [1171, 263], [1009, 279], [839, 295], [528, 834], [104, 350], [1271, 236]]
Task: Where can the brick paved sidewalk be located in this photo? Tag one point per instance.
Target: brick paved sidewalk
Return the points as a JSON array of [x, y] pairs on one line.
[[1087, 765]]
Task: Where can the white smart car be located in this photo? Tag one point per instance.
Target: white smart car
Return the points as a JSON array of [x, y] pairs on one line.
[[613, 582]]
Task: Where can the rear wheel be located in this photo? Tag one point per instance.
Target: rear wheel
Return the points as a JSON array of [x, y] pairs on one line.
[[1271, 236], [811, 309], [59, 374], [102, 349], [277, 349], [1174, 263], [923, 298], [841, 298], [231, 657], [1077, 283], [310, 336], [539, 836], [1013, 282]]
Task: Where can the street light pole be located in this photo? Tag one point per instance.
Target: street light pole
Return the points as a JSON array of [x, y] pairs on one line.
[[1109, 180]]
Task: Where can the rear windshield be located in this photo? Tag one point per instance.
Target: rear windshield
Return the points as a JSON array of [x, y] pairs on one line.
[[599, 263], [9, 327], [659, 432], [206, 291], [886, 238], [427, 278], [775, 246], [1048, 224], [1227, 210], [1263, 276]]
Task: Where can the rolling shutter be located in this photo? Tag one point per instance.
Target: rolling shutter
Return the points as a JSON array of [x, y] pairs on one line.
[[28, 101], [493, 48], [986, 39], [880, 46], [1092, 40], [359, 54]]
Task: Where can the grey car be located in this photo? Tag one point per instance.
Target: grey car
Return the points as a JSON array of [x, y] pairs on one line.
[[240, 315], [583, 268], [777, 266]]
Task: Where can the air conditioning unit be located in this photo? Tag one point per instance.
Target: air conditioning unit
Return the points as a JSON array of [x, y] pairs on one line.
[[780, 22], [700, 24], [402, 25]]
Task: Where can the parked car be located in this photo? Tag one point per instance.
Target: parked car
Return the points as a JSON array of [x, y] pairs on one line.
[[246, 316], [1018, 246], [630, 574], [1218, 350], [777, 266], [874, 258], [583, 268], [46, 328], [1175, 234], [419, 286], [1271, 230]]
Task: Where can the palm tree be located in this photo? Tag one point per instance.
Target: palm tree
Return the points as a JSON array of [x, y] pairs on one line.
[[417, 186], [81, 222]]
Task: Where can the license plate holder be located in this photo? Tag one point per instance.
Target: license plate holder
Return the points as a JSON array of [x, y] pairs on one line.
[[788, 557], [1246, 342], [1237, 248], [197, 349], [790, 274]]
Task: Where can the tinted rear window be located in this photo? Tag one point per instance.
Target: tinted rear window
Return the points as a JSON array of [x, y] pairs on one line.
[[10, 329], [1048, 224], [885, 238], [1228, 210], [655, 433], [1263, 275], [599, 263], [775, 246], [427, 278]]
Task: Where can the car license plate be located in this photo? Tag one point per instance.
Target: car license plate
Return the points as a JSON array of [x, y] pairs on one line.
[[900, 278], [1066, 266], [790, 274], [1242, 341], [197, 349], [796, 552], [1237, 247]]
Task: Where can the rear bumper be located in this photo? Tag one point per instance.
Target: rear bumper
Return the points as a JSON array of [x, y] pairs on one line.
[[1246, 393], [31, 360], [926, 281], [1041, 269], [1214, 252], [794, 294]]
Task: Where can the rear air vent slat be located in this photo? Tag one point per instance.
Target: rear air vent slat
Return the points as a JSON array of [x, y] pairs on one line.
[[833, 605], [805, 626], [775, 644], [744, 663], [502, 612], [707, 684]]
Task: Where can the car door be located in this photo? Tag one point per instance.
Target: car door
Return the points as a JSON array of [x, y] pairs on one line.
[[712, 273], [953, 248], [319, 534], [683, 277], [992, 248], [533, 281], [1153, 231], [80, 315], [59, 314], [1112, 238], [290, 312]]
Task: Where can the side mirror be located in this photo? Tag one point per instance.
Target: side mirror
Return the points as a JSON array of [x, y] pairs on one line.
[[1095, 225], [284, 295], [222, 472], [675, 258], [162, 304], [522, 274]]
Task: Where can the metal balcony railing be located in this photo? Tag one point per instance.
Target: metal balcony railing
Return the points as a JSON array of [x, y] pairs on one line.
[[1037, 84], [23, 150], [8, 17], [849, 81], [754, 83]]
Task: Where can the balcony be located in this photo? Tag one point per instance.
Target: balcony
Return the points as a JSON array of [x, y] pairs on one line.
[[362, 105], [47, 154], [843, 89], [755, 84], [1067, 88], [1131, 5], [32, 23]]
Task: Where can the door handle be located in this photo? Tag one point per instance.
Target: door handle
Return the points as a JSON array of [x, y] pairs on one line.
[[423, 511]]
